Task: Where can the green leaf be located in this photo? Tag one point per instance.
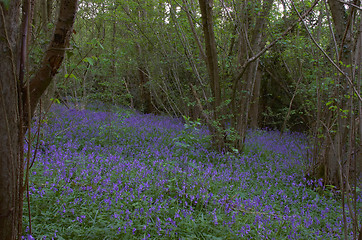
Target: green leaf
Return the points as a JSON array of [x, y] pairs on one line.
[[89, 60], [329, 103], [100, 45], [345, 111], [332, 108], [70, 76], [55, 100]]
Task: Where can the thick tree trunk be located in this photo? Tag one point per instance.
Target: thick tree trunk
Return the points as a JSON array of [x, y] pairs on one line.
[[9, 121], [213, 70]]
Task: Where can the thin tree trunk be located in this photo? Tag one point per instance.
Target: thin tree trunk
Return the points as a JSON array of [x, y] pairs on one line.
[[254, 109], [335, 156], [340, 150], [49, 10], [143, 81], [213, 70], [250, 89]]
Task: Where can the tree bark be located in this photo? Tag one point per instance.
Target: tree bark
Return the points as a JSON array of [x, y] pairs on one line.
[[254, 109], [250, 87], [9, 121], [213, 71], [49, 10], [258, 41]]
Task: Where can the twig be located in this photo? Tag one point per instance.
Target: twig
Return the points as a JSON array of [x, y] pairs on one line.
[[351, 4]]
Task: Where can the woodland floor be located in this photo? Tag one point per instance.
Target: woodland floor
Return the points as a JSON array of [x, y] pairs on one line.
[[119, 174]]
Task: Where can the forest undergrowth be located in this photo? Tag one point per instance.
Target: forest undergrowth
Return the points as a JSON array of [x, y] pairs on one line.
[[119, 174]]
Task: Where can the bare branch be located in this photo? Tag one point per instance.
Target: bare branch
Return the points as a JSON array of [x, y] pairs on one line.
[[53, 57], [351, 4]]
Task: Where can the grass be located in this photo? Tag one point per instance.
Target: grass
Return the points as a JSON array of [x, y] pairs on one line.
[[124, 175]]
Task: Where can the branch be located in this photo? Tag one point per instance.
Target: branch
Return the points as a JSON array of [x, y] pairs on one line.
[[193, 30], [350, 4], [53, 58]]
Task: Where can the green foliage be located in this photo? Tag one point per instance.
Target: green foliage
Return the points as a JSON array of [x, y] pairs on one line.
[[90, 60], [6, 3], [189, 135]]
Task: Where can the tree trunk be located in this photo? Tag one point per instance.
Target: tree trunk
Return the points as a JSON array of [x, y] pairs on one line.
[[250, 87], [13, 121], [331, 163], [258, 42], [145, 91], [145, 95], [254, 109], [213, 70], [49, 9], [9, 121], [339, 152]]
